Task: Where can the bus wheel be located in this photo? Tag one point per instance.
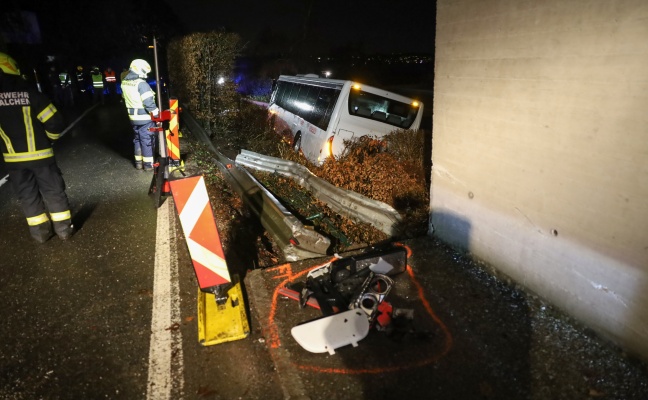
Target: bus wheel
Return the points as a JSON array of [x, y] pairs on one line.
[[297, 142]]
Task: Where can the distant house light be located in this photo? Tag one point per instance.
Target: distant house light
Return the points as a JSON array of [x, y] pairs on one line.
[[221, 80]]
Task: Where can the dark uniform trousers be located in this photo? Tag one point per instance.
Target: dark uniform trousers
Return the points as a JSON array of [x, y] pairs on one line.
[[42, 189]]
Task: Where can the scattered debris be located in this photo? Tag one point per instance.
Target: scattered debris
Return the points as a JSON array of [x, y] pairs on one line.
[[351, 293]]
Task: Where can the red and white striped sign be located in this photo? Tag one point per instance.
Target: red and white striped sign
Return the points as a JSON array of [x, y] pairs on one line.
[[197, 220]]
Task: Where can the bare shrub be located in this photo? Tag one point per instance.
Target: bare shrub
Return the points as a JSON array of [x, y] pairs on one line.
[[408, 148]]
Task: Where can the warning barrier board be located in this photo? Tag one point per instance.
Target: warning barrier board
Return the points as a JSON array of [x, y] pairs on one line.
[[201, 234]]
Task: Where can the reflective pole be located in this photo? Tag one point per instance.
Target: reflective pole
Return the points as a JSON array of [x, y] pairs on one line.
[[157, 74], [161, 177], [161, 135]]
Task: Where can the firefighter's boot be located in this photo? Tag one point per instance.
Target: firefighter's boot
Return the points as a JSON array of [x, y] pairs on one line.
[[41, 232], [64, 229]]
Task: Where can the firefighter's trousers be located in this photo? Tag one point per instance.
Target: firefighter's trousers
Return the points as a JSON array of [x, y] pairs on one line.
[[42, 190], [144, 142]]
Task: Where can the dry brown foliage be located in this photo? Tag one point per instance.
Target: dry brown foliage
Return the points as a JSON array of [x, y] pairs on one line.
[[367, 168]]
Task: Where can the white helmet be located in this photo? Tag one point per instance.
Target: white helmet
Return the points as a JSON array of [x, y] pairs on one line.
[[140, 67]]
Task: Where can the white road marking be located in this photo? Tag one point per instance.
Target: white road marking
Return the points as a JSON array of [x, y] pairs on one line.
[[165, 374]]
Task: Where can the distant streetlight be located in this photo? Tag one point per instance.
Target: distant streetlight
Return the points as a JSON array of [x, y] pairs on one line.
[[327, 73], [221, 80]]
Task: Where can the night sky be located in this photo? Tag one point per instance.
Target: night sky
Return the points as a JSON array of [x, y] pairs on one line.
[[378, 26], [286, 33]]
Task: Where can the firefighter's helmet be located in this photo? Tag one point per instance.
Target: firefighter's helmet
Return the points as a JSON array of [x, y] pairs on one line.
[[140, 67], [8, 65], [79, 68]]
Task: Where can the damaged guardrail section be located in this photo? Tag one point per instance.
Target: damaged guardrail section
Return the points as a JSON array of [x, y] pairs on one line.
[[295, 240], [344, 202]]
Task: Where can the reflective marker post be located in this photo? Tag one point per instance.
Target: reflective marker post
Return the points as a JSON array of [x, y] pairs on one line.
[[160, 182]]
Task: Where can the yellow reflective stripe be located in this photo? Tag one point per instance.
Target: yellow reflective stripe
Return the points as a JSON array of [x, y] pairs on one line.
[[61, 216], [46, 113], [138, 157], [29, 129], [148, 159], [147, 95], [37, 220], [52, 136], [28, 156], [7, 141], [173, 149]]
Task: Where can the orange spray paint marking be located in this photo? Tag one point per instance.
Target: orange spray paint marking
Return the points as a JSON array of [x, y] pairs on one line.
[[286, 272], [274, 341]]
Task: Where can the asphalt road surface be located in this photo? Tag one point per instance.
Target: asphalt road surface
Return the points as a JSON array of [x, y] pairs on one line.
[[111, 313]]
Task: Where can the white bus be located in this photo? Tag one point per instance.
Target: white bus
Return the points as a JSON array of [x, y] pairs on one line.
[[317, 115]]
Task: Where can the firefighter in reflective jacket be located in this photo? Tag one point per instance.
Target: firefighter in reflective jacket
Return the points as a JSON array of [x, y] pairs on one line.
[[111, 82], [97, 85], [65, 83], [28, 125], [139, 99]]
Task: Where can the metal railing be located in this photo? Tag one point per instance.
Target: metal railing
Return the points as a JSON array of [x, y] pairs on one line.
[[295, 240], [344, 202]]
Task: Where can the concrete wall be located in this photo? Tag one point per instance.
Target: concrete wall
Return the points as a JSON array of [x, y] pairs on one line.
[[540, 150]]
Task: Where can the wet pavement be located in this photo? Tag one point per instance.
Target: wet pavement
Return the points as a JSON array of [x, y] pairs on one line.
[[473, 336], [75, 313]]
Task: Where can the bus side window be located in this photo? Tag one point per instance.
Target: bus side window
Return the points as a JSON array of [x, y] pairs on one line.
[[324, 107], [281, 91], [291, 98]]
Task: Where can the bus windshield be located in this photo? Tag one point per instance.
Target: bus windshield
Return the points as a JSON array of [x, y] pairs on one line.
[[390, 111]]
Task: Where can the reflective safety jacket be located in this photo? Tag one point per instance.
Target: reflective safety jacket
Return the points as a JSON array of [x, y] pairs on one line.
[[97, 79], [29, 123], [64, 78], [139, 99], [110, 76]]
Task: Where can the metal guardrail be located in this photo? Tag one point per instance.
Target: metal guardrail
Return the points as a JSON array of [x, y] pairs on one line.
[[295, 240], [345, 202]]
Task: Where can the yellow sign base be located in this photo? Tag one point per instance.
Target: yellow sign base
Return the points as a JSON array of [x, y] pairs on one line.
[[179, 167], [222, 323]]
